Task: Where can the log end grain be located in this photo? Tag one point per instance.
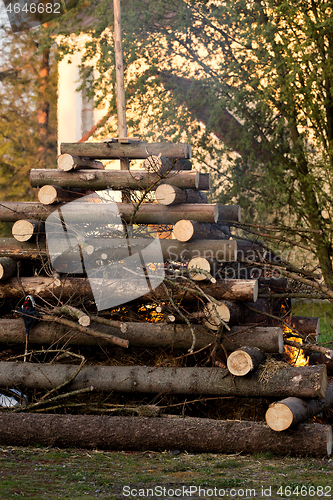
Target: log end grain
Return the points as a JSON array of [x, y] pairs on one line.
[[47, 195], [215, 312], [22, 230], [239, 363], [197, 264], [66, 162], [279, 417], [183, 230]]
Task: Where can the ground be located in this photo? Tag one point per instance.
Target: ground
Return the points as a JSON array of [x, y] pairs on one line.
[[48, 473]]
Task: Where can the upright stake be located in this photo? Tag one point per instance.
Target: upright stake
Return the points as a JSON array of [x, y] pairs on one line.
[[120, 86]]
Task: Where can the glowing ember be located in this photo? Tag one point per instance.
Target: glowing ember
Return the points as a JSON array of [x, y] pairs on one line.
[[295, 356]]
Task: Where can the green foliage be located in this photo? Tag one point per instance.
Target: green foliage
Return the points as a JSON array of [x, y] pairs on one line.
[[248, 83], [21, 92]]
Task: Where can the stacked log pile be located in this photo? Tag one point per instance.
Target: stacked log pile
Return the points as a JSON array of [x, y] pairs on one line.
[[206, 310]]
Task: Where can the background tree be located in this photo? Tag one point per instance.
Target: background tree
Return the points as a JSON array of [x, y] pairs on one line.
[[258, 75], [28, 91]]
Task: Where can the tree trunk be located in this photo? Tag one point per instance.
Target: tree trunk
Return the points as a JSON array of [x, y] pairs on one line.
[[151, 335], [245, 360], [133, 150], [291, 411], [117, 249], [47, 288], [25, 230], [168, 195], [49, 195], [115, 179], [304, 382], [68, 162], [8, 268], [194, 435], [186, 230], [9, 247]]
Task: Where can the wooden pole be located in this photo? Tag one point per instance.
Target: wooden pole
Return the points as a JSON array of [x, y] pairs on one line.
[[121, 105]]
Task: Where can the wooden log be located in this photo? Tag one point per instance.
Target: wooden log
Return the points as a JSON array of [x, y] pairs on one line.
[[194, 435], [315, 358], [9, 247], [82, 318], [25, 230], [68, 162], [230, 312], [188, 230], [133, 150], [166, 194], [8, 268], [229, 213], [106, 213], [305, 381], [245, 360], [306, 325], [164, 165], [116, 179], [151, 335], [197, 264], [236, 290], [49, 195], [290, 411], [173, 250]]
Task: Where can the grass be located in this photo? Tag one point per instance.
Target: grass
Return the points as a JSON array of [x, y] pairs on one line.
[[43, 473]]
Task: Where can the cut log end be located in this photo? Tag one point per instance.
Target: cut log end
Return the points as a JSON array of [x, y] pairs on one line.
[[23, 230], [215, 312], [244, 360], [239, 363], [198, 264], [183, 230], [47, 195], [279, 417]]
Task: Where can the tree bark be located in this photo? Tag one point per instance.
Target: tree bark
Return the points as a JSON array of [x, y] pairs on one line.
[[47, 288], [162, 165], [290, 411], [194, 435], [68, 162], [116, 179], [82, 318], [168, 195], [43, 107], [117, 249], [49, 195], [151, 335], [133, 150], [306, 325], [245, 360], [8, 268], [187, 230], [304, 382], [9, 247], [25, 230]]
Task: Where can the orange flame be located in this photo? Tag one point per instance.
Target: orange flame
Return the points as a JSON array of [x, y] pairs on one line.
[[295, 356]]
